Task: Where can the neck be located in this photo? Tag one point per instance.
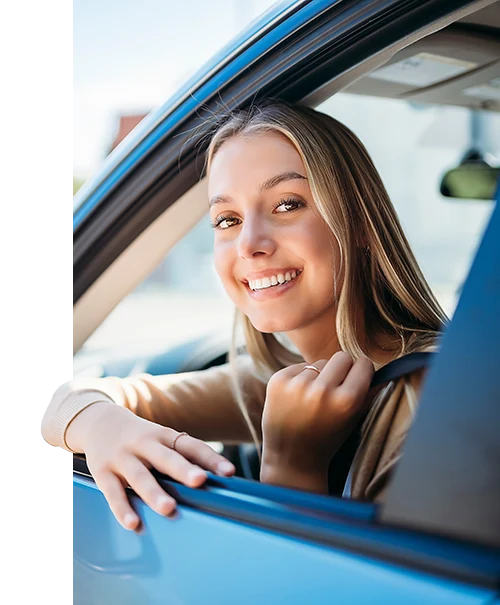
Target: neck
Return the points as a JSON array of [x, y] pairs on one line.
[[315, 345], [320, 341]]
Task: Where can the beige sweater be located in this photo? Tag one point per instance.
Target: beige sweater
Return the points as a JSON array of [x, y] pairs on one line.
[[203, 405]]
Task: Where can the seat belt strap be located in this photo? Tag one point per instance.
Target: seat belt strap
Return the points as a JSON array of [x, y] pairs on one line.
[[392, 371], [402, 366]]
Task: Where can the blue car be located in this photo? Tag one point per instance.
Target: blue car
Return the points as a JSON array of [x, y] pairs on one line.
[[436, 538]]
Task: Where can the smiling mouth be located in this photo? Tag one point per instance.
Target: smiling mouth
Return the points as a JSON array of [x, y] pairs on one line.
[[274, 291], [257, 285]]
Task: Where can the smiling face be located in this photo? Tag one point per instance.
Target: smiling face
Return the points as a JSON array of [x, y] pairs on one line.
[[273, 252]]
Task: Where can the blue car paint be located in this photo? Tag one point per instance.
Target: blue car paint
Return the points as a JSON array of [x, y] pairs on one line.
[[197, 557]]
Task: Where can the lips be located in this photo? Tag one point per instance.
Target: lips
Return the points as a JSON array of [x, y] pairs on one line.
[[273, 291], [269, 273], [273, 280]]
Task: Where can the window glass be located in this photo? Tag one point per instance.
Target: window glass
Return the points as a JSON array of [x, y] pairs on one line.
[[412, 146], [180, 301]]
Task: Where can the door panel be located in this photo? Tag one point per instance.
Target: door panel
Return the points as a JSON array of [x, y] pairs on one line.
[[198, 557]]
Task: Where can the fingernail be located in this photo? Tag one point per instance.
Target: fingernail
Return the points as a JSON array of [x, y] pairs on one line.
[[225, 467], [195, 474], [164, 504], [130, 521]]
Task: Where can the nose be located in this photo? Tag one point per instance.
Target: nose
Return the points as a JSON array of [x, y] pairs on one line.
[[255, 238]]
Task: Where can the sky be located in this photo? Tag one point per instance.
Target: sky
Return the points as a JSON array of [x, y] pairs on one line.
[[130, 57]]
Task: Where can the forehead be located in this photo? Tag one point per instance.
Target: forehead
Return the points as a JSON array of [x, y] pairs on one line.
[[249, 160]]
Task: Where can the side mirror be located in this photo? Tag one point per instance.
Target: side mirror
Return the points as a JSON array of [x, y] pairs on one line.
[[473, 179]]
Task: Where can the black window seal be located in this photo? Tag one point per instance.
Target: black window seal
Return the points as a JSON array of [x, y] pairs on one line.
[[316, 503]]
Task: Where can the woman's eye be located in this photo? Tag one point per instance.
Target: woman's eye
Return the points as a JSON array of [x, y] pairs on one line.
[[224, 222], [288, 205]]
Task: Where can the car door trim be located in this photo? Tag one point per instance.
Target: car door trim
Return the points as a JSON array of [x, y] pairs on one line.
[[301, 516]]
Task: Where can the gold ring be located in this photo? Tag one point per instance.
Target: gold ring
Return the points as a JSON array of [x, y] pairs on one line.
[[312, 368], [177, 437]]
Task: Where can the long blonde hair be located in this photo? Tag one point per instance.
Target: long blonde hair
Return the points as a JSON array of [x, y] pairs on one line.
[[376, 259]]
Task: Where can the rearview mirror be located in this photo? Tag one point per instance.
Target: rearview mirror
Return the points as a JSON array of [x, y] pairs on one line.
[[473, 179]]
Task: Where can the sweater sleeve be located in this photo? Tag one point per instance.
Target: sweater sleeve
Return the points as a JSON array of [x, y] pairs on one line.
[[201, 403]]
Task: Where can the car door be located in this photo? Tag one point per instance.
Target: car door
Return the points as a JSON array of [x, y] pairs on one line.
[[241, 541]]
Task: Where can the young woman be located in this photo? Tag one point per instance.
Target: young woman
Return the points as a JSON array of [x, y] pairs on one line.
[[309, 248]]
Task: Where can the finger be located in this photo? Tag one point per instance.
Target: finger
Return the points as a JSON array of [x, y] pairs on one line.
[[310, 371], [114, 492], [203, 455], [301, 370], [360, 376], [174, 464], [140, 479], [335, 370], [351, 396]]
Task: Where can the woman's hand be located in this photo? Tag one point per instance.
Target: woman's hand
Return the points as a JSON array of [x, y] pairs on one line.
[[308, 415], [122, 448]]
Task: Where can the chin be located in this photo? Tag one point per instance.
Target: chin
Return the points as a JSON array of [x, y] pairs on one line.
[[268, 325]]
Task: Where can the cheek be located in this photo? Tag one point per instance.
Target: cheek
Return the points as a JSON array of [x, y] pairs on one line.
[[322, 253], [220, 261], [223, 262], [318, 246]]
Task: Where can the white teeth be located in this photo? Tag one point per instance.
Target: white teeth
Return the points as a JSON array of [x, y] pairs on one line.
[[274, 280]]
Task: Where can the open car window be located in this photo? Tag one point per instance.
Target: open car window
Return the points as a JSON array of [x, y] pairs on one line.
[[179, 303]]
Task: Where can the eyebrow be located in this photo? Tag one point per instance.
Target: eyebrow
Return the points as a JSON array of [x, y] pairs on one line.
[[269, 184]]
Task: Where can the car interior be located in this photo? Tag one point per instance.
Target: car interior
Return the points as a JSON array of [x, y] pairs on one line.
[[457, 66]]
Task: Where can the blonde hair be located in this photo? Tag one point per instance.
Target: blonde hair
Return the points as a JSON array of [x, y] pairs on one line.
[[377, 263]]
